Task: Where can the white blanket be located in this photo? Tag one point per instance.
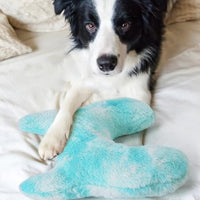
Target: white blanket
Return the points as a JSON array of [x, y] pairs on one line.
[[32, 83]]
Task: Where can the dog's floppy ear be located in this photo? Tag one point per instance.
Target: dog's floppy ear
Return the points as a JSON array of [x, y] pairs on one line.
[[161, 4], [153, 12], [64, 5]]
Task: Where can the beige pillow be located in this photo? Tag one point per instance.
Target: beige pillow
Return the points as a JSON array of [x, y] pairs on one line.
[[184, 10], [10, 45], [32, 15]]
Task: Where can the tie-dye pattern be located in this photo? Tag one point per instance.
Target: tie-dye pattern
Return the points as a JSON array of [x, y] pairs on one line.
[[93, 165]]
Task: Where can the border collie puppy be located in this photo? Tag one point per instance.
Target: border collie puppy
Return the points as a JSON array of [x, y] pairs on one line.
[[116, 46]]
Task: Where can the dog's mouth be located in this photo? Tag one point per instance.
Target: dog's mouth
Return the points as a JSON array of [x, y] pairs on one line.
[[107, 74]]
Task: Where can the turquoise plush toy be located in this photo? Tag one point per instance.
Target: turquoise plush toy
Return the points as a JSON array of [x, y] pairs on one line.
[[93, 165]]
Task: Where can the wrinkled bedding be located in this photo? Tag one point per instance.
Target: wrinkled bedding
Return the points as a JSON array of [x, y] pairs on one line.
[[10, 46], [36, 82]]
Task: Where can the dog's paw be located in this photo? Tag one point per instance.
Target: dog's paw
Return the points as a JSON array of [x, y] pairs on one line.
[[55, 139], [51, 146]]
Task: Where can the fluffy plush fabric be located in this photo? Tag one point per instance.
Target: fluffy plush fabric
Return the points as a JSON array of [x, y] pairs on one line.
[[92, 164], [32, 15], [10, 45]]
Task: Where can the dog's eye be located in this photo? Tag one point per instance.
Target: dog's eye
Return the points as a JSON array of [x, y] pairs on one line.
[[91, 27], [126, 26]]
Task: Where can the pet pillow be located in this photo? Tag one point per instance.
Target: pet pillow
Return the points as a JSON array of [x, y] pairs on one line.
[[33, 15], [183, 10], [10, 45], [93, 165]]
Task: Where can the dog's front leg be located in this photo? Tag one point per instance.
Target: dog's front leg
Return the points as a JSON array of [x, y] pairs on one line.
[[55, 139]]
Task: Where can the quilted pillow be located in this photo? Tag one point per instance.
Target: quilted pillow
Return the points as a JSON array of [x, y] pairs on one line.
[[32, 15], [10, 45], [184, 10]]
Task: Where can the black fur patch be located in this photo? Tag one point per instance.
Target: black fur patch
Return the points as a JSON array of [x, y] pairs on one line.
[[78, 13], [146, 17]]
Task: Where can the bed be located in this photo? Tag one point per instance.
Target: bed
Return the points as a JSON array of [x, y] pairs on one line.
[[35, 81]]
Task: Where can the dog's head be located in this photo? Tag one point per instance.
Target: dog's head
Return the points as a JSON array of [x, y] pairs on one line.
[[112, 29]]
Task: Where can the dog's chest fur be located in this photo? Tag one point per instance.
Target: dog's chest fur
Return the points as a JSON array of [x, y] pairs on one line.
[[106, 87]]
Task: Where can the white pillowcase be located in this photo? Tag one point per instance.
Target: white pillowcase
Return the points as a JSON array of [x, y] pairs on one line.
[[10, 45], [33, 15]]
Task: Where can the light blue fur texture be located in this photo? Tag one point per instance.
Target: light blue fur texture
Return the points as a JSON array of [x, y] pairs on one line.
[[93, 165]]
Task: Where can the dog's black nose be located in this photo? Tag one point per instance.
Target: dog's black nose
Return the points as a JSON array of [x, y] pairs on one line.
[[107, 63]]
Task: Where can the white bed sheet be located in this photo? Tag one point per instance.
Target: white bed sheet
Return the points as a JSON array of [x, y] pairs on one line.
[[32, 83]]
